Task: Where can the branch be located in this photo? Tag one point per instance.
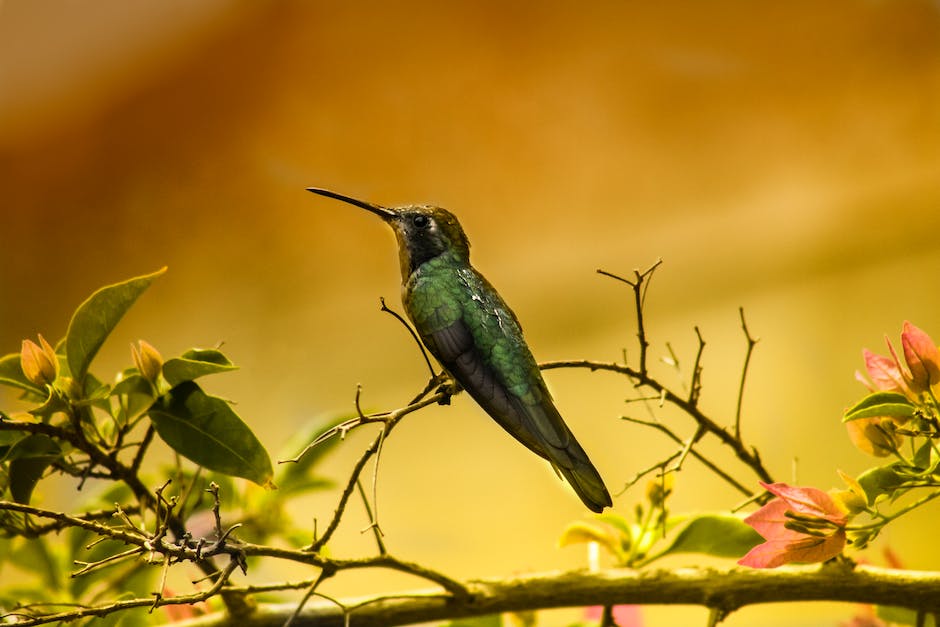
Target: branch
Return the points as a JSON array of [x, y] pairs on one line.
[[388, 420], [721, 590], [639, 285], [25, 619], [117, 471], [455, 588], [414, 334], [688, 449], [750, 457]]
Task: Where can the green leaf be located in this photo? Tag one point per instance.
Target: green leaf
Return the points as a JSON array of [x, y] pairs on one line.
[[721, 535], [195, 363], [25, 474], [29, 459], [95, 318], [8, 439], [138, 395], [882, 481], [11, 373], [881, 404], [53, 403], [132, 383], [204, 429], [620, 523], [582, 532], [926, 459], [34, 445]]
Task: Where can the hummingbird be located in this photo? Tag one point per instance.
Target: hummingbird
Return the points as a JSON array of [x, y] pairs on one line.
[[472, 332]]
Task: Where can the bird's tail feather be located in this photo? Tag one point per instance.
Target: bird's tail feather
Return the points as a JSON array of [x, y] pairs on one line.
[[588, 485], [584, 478]]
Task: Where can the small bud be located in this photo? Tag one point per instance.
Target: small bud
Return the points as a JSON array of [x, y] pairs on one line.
[[39, 363], [855, 500], [658, 490], [148, 360], [850, 501]]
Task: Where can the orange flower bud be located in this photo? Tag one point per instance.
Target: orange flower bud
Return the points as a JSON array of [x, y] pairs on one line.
[[39, 362], [147, 359]]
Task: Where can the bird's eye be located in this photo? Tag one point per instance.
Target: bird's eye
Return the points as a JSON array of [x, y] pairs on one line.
[[421, 221]]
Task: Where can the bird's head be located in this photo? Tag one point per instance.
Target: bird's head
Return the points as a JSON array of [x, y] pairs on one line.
[[423, 231]]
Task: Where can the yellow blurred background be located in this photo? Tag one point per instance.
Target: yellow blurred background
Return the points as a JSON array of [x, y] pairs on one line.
[[782, 157]]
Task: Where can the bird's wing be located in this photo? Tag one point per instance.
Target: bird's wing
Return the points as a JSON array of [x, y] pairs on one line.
[[454, 347], [479, 342], [530, 417]]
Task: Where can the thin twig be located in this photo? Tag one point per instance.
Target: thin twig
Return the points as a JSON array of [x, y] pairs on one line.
[[373, 521], [158, 595], [411, 330], [320, 542], [389, 419], [324, 574], [639, 297], [660, 465], [213, 489], [695, 387], [699, 432], [704, 460], [108, 561], [142, 449], [750, 457], [109, 608], [751, 341]]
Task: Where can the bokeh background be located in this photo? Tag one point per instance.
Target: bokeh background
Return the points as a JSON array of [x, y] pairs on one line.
[[780, 157]]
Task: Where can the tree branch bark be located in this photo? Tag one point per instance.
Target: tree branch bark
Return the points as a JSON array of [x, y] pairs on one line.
[[724, 590]]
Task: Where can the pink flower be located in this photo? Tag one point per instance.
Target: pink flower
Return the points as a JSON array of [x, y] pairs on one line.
[[920, 373], [922, 361], [800, 525], [885, 372], [922, 357]]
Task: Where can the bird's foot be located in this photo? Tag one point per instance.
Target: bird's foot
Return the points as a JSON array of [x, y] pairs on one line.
[[447, 388]]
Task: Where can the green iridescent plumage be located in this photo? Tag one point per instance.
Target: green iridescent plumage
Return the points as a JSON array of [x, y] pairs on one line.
[[471, 330]]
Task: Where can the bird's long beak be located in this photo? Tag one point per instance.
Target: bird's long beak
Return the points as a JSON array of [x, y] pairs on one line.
[[383, 212]]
